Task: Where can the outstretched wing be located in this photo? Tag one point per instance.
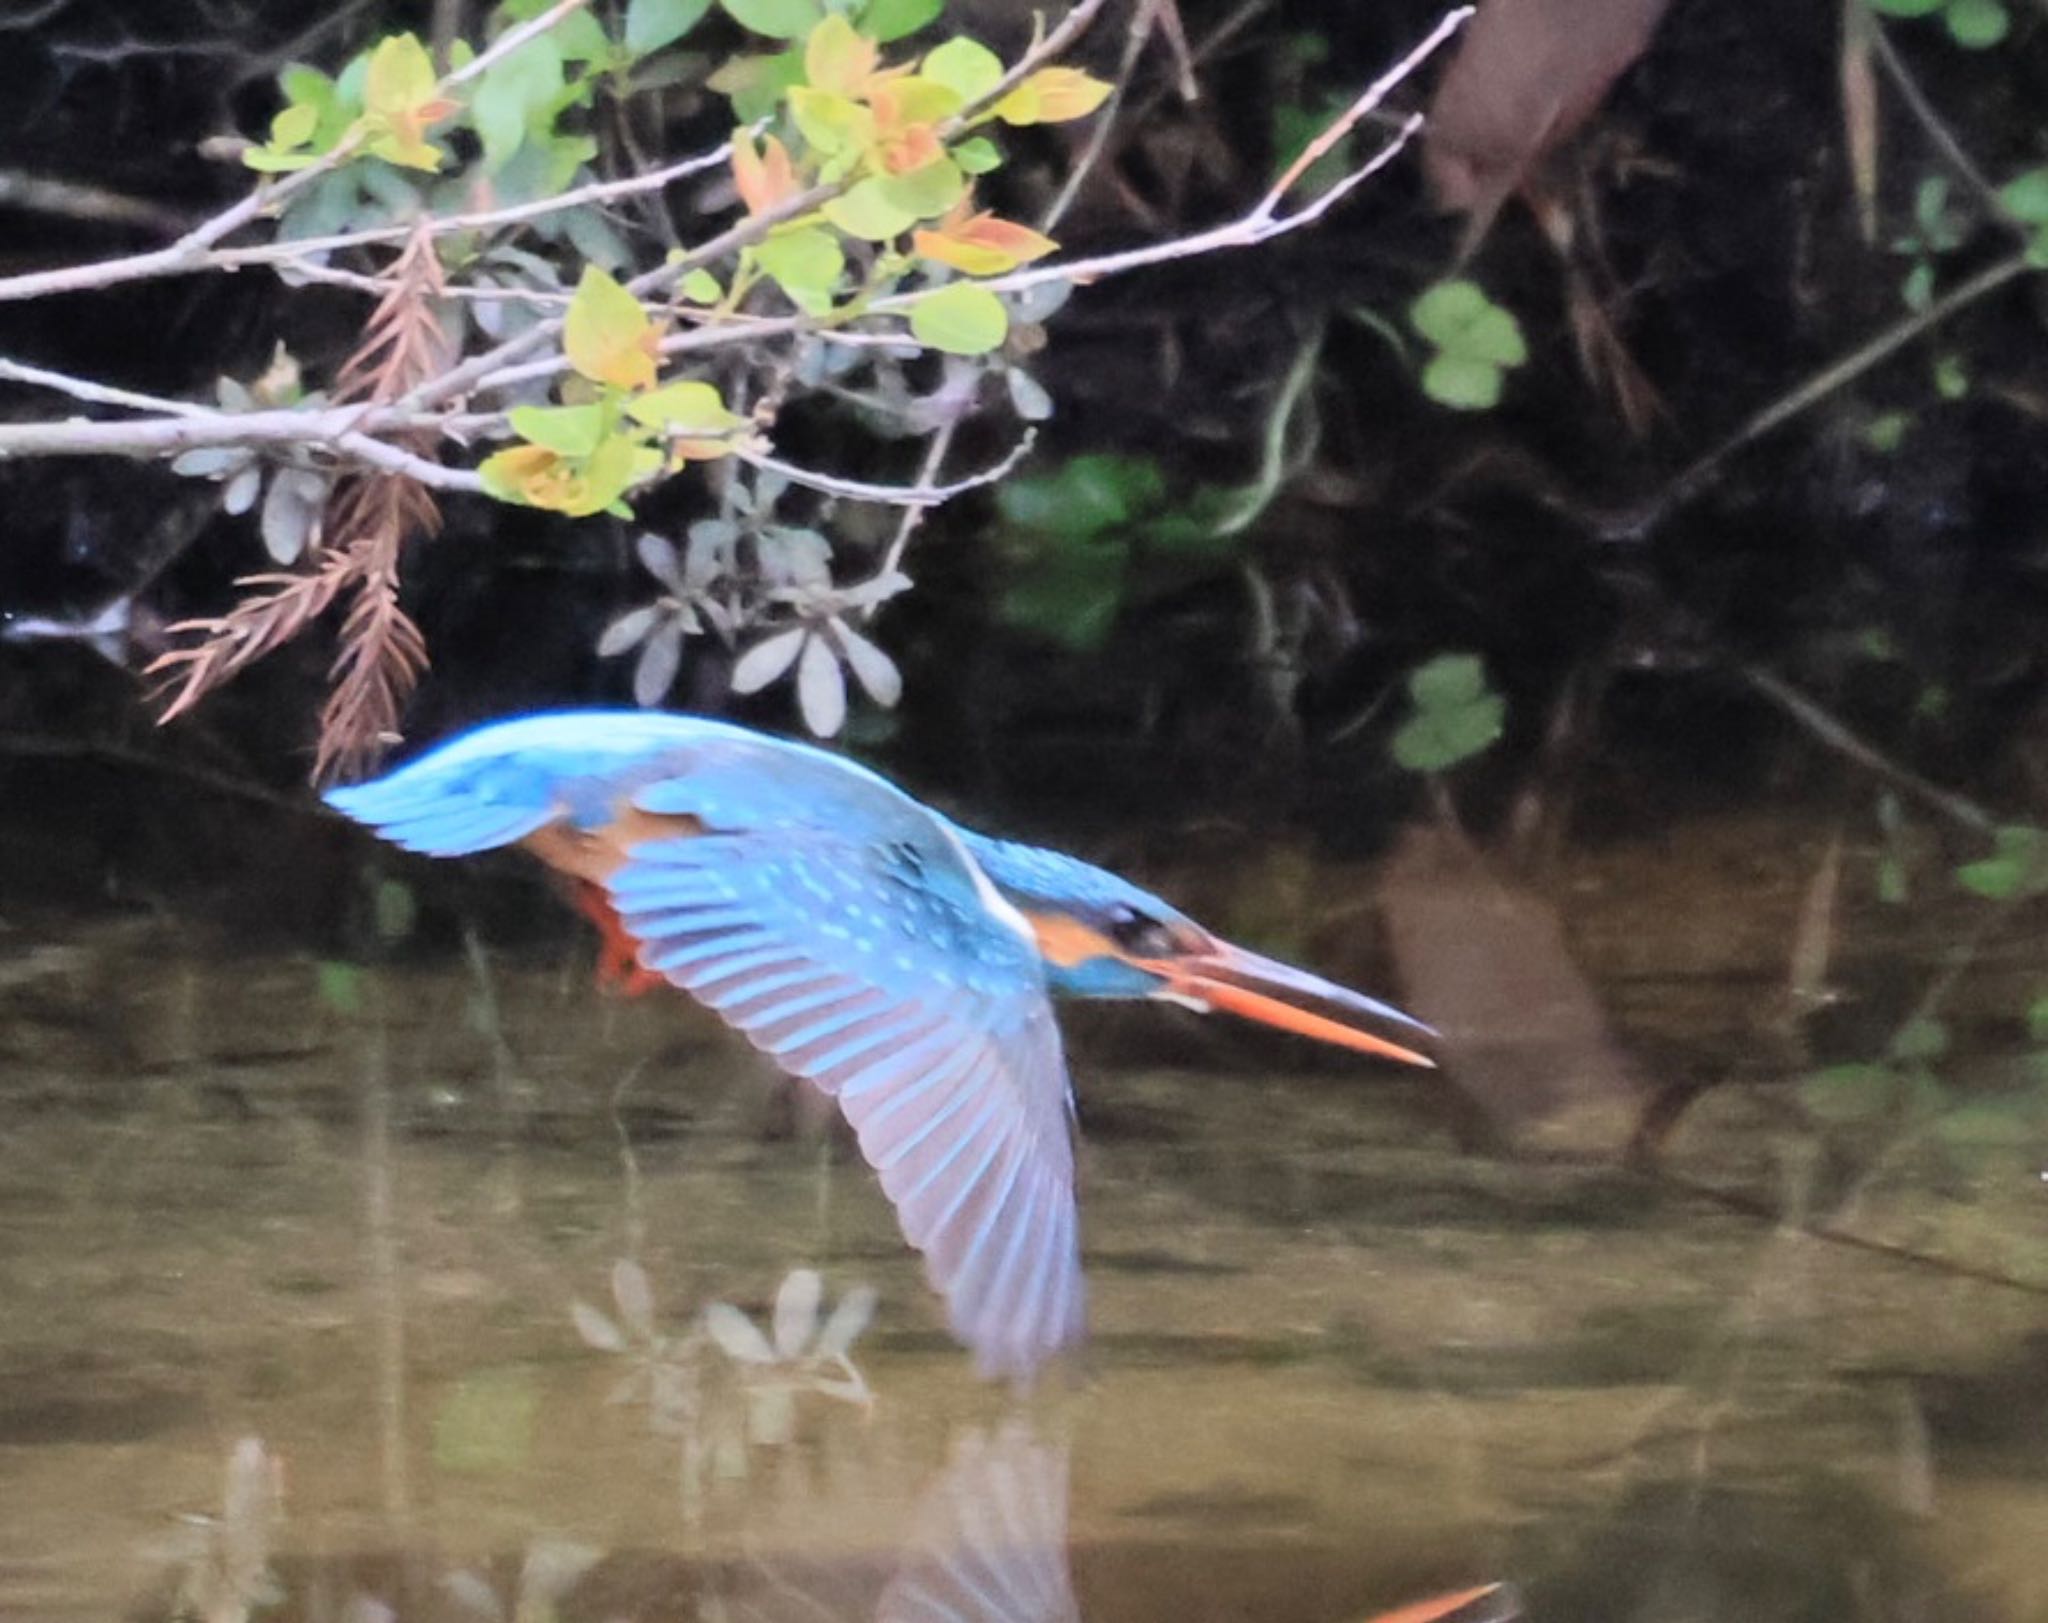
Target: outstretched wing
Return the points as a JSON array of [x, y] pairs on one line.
[[846, 931], [926, 1019]]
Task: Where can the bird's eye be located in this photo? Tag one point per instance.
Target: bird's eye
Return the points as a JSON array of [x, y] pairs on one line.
[[1140, 935]]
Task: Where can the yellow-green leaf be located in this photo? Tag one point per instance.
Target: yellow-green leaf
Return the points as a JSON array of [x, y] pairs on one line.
[[831, 123], [913, 99], [401, 76], [960, 319], [837, 59], [927, 191], [607, 336], [699, 286], [294, 126], [1052, 96], [687, 406], [868, 211], [806, 263], [967, 66], [569, 430]]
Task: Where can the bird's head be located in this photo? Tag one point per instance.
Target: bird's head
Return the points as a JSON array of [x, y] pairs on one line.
[[1101, 937]]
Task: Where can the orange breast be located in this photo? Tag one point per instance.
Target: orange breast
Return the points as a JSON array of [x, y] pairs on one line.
[[594, 855]]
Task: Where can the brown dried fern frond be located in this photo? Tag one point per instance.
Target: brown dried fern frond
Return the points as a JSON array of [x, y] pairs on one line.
[[274, 609], [370, 518], [382, 654]]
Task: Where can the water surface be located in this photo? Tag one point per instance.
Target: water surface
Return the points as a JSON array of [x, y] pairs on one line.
[[364, 1294]]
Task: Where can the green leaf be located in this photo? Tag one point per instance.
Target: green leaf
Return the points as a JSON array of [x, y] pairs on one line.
[[1461, 320], [887, 20], [1448, 681], [303, 84], [339, 985], [699, 286], [394, 908], [960, 319], [2017, 867], [265, 161], [1991, 1124], [651, 24], [687, 406], [928, 190], [515, 94], [1068, 594], [1437, 740], [1977, 25], [294, 125], [965, 65], [2037, 1019], [1919, 1041], [778, 19], [1456, 715], [1088, 495], [606, 335], [807, 264], [1907, 8], [978, 155], [868, 211], [831, 123], [1851, 1093], [1446, 309], [486, 1423], [1951, 378], [567, 430], [757, 84], [1886, 432], [1464, 385], [2025, 197]]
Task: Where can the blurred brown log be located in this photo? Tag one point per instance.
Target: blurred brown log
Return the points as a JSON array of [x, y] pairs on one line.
[[1528, 74]]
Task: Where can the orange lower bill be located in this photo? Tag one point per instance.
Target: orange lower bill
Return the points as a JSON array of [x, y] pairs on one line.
[[1271, 1011]]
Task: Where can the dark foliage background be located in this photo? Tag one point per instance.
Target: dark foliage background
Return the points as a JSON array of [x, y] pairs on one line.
[[1624, 612]]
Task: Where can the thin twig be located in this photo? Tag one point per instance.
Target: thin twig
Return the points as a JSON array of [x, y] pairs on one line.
[[919, 495], [1843, 741], [1143, 21], [600, 191], [1931, 121], [508, 42], [191, 252], [98, 394], [928, 472], [1837, 375]]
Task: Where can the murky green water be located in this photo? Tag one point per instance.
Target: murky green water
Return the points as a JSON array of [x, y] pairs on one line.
[[292, 1265]]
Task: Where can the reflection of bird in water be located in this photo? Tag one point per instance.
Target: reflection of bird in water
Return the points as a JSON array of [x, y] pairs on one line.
[[868, 945], [990, 1538], [988, 1543], [985, 1543]]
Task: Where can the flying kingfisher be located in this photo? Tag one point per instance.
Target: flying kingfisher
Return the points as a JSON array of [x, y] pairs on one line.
[[896, 961]]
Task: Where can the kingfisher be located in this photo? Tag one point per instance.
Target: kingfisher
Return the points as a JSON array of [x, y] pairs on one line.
[[901, 964]]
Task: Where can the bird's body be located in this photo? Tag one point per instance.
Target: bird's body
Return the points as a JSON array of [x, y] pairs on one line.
[[865, 943]]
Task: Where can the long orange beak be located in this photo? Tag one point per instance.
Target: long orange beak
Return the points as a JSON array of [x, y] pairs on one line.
[[1275, 994]]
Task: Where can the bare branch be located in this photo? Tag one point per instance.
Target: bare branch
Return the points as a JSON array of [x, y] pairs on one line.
[[602, 191], [508, 42], [191, 252], [914, 497]]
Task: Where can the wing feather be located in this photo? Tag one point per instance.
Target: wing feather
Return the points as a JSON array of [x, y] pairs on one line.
[[930, 1026]]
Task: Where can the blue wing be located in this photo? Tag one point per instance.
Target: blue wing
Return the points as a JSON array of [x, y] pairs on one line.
[[927, 1022], [846, 931]]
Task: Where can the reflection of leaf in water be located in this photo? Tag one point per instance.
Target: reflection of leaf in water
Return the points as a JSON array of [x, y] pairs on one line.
[[487, 1422]]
